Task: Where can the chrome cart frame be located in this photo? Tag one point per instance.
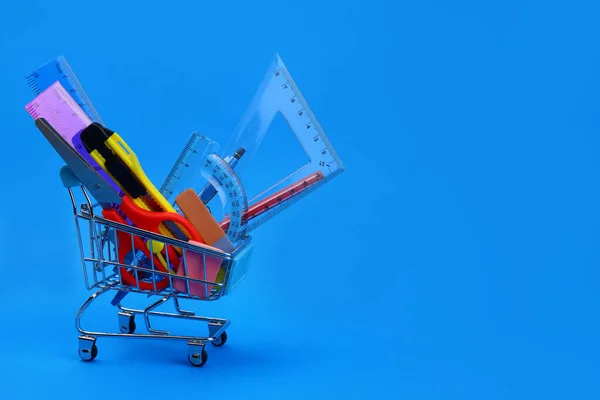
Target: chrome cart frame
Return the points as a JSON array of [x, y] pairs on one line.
[[103, 271]]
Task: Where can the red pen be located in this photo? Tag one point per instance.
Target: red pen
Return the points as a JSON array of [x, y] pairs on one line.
[[276, 199]]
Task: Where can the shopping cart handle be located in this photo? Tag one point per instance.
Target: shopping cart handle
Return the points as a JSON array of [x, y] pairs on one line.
[[68, 178]]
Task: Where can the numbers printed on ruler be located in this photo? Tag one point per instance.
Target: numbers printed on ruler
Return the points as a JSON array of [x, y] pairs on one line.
[[233, 191], [307, 132], [199, 153], [189, 156], [59, 69]]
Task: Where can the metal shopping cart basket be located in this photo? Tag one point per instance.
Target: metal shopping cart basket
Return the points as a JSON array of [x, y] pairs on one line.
[[99, 240]]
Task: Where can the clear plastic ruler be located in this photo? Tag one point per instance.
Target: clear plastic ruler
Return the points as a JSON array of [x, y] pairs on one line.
[[58, 69], [198, 164], [231, 192], [284, 96], [187, 167], [279, 93]]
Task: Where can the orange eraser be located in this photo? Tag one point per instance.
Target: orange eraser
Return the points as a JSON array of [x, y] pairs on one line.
[[196, 212]]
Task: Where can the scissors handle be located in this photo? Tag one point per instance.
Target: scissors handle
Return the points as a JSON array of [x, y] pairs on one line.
[[151, 220], [125, 247]]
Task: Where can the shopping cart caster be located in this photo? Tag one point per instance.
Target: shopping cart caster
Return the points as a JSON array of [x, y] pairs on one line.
[[197, 355], [213, 328], [127, 323], [219, 341], [87, 348]]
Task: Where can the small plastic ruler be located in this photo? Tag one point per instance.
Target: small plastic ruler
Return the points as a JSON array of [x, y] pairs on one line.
[[57, 107], [58, 69], [187, 166], [278, 93], [198, 159], [284, 91], [230, 190]]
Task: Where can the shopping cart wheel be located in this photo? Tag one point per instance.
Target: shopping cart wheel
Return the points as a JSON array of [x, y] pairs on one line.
[[88, 350], [127, 323], [94, 352], [220, 341], [197, 355]]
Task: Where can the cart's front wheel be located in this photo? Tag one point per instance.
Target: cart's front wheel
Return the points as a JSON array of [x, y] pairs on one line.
[[88, 353], [219, 341], [88, 350], [198, 360], [94, 352]]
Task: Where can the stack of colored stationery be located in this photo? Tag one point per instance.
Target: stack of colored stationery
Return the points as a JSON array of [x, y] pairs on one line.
[[106, 165], [101, 159]]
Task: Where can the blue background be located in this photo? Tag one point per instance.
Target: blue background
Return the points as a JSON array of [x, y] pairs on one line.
[[457, 255]]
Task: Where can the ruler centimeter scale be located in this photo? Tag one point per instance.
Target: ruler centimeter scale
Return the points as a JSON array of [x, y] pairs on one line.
[[227, 183], [304, 124], [198, 158], [279, 93], [58, 69], [186, 166]]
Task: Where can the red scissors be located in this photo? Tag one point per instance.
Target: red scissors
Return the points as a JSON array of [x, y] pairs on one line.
[[148, 221]]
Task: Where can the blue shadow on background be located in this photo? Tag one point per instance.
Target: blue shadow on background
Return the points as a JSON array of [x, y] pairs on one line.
[[455, 258]]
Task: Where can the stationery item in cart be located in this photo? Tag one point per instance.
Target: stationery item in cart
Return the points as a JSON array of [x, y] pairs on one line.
[[126, 247], [57, 107], [120, 148], [93, 138], [112, 153], [151, 220], [194, 263], [284, 198], [209, 190], [58, 69], [102, 191], [157, 248], [188, 166], [199, 160], [279, 95], [196, 212]]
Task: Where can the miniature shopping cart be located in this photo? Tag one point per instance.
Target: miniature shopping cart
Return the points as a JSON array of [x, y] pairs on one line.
[[99, 240]]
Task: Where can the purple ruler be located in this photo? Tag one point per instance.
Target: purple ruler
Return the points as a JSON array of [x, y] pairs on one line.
[[57, 107]]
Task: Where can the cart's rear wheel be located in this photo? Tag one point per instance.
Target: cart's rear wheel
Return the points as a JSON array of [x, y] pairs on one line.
[[198, 360], [132, 326], [89, 354], [219, 341], [94, 352], [127, 323]]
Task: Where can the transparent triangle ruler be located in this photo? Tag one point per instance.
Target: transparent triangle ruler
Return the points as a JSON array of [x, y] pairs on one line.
[[279, 93]]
